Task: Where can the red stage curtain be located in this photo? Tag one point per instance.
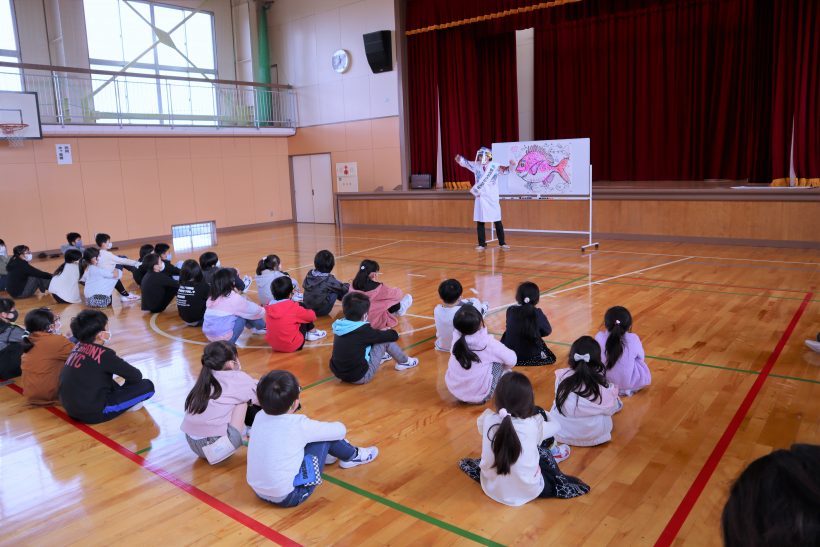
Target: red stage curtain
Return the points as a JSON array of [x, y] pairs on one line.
[[422, 55], [498, 89], [807, 94], [665, 92]]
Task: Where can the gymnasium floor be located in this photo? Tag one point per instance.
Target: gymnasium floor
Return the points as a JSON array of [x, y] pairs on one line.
[[723, 328]]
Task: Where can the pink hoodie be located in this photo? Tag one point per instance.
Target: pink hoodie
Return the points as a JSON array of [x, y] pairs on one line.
[[382, 298], [473, 385]]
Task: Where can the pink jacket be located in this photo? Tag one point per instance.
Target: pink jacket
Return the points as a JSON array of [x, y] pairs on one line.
[[474, 385], [382, 298]]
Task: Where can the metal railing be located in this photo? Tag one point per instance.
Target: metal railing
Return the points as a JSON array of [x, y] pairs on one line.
[[75, 96]]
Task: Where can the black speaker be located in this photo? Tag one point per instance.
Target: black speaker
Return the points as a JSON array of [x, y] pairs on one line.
[[418, 182], [379, 51]]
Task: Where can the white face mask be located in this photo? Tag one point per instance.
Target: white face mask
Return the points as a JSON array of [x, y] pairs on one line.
[[3, 250], [78, 243], [161, 266], [55, 328], [169, 256], [109, 245], [27, 257], [107, 340], [218, 264]]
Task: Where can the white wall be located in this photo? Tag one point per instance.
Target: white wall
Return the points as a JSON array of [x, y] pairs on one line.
[[303, 36]]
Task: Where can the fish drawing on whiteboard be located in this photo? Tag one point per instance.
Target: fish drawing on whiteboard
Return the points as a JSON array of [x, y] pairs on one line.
[[542, 171]]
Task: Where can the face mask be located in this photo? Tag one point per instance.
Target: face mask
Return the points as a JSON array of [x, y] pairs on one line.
[[107, 340], [109, 245], [169, 256], [55, 328], [3, 250], [218, 264], [78, 243], [13, 315], [27, 257], [161, 266]]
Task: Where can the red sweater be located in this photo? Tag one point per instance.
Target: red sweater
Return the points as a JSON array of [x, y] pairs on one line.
[[282, 321]]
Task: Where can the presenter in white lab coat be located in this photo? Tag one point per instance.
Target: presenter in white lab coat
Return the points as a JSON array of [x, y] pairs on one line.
[[485, 190]]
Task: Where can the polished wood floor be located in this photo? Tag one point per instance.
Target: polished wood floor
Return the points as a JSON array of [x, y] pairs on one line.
[[722, 326]]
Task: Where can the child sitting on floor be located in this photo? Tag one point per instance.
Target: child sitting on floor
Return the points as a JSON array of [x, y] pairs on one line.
[[358, 348], [45, 353], [4, 260], [288, 324], [386, 303], [192, 293], [65, 284], [623, 352], [210, 264], [322, 290], [109, 261], [287, 452], [99, 282], [221, 404], [515, 466], [75, 243], [450, 292], [478, 360], [11, 340], [268, 269], [526, 327], [158, 289], [584, 400], [228, 312]]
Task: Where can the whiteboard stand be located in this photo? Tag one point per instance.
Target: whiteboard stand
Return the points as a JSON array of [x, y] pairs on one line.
[[587, 198]]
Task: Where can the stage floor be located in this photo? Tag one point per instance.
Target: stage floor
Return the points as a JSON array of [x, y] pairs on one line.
[[723, 327]]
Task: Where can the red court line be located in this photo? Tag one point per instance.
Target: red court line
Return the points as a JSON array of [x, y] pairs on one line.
[[682, 512], [208, 499]]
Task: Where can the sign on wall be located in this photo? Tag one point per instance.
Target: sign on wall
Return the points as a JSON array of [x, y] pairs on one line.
[[347, 177], [63, 154]]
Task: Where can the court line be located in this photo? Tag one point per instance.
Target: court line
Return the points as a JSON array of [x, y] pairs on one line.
[[412, 512], [215, 503], [680, 515], [351, 254]]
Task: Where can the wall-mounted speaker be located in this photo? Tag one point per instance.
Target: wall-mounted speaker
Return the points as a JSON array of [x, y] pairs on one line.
[[418, 182], [379, 51]]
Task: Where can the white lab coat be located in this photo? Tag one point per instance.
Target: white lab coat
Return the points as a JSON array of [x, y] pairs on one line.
[[487, 207]]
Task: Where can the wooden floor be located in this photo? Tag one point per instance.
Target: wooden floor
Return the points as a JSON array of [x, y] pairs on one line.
[[732, 379]]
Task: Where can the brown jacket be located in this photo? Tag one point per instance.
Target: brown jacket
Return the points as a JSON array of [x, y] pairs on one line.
[[42, 365]]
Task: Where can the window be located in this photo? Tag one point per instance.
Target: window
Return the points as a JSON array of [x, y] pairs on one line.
[[186, 237], [149, 38], [9, 50]]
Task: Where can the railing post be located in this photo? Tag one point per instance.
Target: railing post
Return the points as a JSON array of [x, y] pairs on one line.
[[119, 106], [58, 99], [170, 103]]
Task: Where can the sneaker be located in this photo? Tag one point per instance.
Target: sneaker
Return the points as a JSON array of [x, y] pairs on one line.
[[260, 332], [813, 345], [363, 456], [505, 247], [480, 247], [626, 392], [297, 296], [247, 280], [330, 460], [135, 407], [440, 349], [560, 452], [130, 297], [315, 334], [404, 305], [485, 307], [386, 357], [411, 363]]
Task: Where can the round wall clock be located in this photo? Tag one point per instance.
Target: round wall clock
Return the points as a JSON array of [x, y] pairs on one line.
[[340, 60]]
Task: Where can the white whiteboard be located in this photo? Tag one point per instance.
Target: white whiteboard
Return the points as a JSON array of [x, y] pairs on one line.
[[542, 168]]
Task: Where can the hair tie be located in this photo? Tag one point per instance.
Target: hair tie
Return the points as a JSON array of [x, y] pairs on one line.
[[361, 267], [526, 300], [617, 321], [265, 257], [503, 413], [578, 357]]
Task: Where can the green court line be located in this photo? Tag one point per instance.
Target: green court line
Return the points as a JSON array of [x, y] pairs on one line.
[[412, 512], [329, 378], [707, 290], [500, 269], [143, 451], [542, 293], [706, 365]]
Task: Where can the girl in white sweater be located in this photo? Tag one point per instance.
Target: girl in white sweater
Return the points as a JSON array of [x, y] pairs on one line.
[[584, 400], [65, 285], [515, 467]]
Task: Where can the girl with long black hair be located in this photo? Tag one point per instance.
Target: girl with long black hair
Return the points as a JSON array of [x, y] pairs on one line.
[[526, 327]]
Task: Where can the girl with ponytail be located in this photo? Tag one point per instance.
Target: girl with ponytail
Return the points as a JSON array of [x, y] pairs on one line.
[[526, 327], [220, 405], [478, 360], [515, 467], [45, 354], [623, 352], [584, 400], [386, 303], [65, 285], [268, 269]]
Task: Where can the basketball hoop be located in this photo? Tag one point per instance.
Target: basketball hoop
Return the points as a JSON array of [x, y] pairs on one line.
[[9, 133]]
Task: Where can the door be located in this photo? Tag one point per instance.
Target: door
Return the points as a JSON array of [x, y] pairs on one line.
[[313, 188]]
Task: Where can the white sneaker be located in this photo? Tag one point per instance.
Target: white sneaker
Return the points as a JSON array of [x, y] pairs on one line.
[[297, 296], [364, 455], [260, 332], [330, 460], [485, 307], [411, 363], [130, 297], [813, 345], [135, 407], [386, 357], [315, 334], [247, 280], [404, 305], [505, 247], [480, 248]]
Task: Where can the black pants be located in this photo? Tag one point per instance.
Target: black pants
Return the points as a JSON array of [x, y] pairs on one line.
[[120, 400], [326, 308], [10, 359], [305, 328], [482, 236], [169, 295]]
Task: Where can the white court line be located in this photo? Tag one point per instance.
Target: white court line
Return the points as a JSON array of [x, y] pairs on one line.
[[505, 306], [350, 253], [420, 316]]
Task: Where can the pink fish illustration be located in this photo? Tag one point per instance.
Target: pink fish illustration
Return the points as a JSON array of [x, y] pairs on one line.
[[535, 167]]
